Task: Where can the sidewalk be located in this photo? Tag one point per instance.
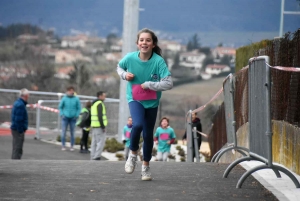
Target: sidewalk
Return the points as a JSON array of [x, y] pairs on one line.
[[283, 188]]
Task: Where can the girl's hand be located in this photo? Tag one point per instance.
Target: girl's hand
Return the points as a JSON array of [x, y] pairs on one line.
[[156, 142], [129, 76], [168, 142], [143, 86]]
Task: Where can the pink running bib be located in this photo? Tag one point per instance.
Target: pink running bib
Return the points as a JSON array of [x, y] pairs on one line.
[[140, 94], [127, 134], [164, 136]]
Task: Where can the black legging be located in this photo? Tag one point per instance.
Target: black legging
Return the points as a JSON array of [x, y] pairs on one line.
[[84, 139]]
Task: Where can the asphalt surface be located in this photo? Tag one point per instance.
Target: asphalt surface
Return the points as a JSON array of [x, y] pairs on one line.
[[47, 173]]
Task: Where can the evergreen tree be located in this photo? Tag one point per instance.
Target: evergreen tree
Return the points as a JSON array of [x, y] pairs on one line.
[[194, 43]]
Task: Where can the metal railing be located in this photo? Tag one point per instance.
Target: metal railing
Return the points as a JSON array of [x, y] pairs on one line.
[[228, 90], [260, 144], [43, 111]]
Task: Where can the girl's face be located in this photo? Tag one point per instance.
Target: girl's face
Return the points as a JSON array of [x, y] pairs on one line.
[[164, 123], [145, 43], [129, 121], [194, 116]]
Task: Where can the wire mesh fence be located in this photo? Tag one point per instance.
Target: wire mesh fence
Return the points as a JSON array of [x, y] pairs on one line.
[[285, 102], [283, 51]]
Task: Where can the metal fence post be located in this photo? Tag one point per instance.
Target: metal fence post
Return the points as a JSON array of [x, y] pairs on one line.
[[195, 137], [58, 115], [38, 119], [189, 138]]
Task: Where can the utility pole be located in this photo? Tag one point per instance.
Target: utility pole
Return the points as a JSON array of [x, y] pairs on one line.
[[282, 16], [130, 29]]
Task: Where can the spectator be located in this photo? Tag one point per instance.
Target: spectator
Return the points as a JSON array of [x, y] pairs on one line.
[[126, 136], [195, 123], [84, 122], [98, 124], [164, 137], [19, 123], [69, 108]]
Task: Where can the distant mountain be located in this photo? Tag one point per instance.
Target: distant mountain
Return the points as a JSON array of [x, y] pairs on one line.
[[174, 19]]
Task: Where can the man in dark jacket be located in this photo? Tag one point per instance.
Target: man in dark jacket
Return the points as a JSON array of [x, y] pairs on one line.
[[19, 123], [195, 123]]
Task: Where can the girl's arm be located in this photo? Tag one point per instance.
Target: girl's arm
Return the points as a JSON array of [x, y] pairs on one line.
[[164, 84], [121, 72], [124, 74], [172, 140]]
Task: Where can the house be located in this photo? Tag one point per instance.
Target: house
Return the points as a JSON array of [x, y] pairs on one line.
[[192, 59], [222, 51], [113, 56], [69, 56], [74, 41], [103, 79], [172, 46], [11, 71], [216, 69], [63, 73], [117, 46], [27, 38]]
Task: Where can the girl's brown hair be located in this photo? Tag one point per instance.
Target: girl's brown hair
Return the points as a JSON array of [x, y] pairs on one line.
[[156, 49], [164, 118]]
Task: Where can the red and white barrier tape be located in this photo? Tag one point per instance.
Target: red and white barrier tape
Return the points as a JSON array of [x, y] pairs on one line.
[[212, 99], [32, 106]]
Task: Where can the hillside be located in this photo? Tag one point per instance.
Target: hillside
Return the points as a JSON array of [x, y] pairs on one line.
[[177, 102]]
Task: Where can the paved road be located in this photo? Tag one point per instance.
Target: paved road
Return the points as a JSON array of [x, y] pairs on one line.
[[89, 180], [38, 150], [47, 173]]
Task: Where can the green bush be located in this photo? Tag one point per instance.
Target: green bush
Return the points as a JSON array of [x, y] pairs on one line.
[[178, 147], [154, 152], [120, 156], [171, 156], [112, 145], [243, 54], [182, 159], [77, 140], [58, 138], [181, 153]]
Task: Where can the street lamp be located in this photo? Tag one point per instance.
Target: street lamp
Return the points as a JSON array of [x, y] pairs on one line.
[[281, 17]]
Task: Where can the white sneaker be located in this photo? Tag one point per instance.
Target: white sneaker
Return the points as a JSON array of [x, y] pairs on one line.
[[71, 149], [63, 149], [130, 164], [146, 174]]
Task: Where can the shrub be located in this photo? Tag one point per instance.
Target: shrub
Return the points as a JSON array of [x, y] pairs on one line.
[[171, 156], [178, 147], [58, 138], [77, 140], [154, 152], [181, 153], [206, 156], [182, 159], [112, 145], [120, 156]]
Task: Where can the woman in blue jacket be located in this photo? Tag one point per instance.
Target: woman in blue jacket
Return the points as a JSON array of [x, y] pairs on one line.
[[69, 108]]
